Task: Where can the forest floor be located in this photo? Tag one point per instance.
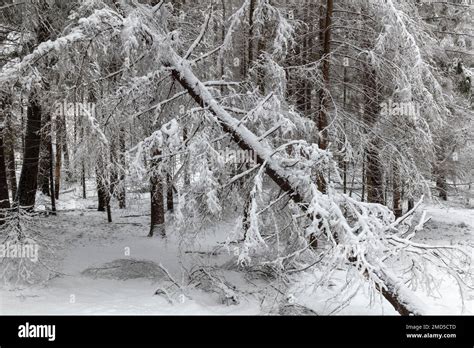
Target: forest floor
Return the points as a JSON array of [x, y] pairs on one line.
[[114, 268]]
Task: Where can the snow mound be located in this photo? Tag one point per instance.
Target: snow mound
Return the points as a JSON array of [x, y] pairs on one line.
[[124, 269], [295, 309]]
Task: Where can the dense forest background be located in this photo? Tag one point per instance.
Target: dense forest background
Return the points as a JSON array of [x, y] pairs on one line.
[[318, 126]]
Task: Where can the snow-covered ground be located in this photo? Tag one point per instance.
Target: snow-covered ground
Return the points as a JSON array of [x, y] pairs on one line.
[[86, 241]]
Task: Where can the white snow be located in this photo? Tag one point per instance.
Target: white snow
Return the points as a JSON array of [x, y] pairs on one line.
[[87, 240]]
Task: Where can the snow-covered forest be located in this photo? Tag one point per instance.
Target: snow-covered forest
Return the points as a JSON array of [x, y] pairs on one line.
[[289, 157]]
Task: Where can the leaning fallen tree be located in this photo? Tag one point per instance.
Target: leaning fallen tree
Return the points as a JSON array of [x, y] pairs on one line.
[[303, 194]]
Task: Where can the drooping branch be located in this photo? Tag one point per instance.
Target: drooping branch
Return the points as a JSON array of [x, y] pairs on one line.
[[394, 291]]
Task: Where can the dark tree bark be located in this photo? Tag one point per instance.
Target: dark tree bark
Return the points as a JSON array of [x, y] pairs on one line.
[[103, 186], [439, 166], [374, 177], [11, 169], [324, 97], [9, 149], [83, 181], [251, 44], [45, 158], [411, 204], [114, 171], [397, 194], [246, 215], [122, 192], [27, 187], [117, 175], [107, 207], [43, 173], [65, 149], [58, 159], [4, 198], [186, 174], [169, 193], [51, 164], [374, 170], [440, 176], [28, 184], [81, 133], [362, 195], [344, 159], [101, 189], [157, 199], [442, 187]]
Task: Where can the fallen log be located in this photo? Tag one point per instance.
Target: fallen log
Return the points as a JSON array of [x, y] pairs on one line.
[[395, 292]]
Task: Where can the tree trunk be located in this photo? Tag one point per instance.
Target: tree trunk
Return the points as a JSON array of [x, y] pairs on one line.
[[344, 158], [65, 148], [45, 158], [101, 191], [102, 185], [51, 173], [440, 169], [83, 181], [108, 208], [251, 44], [223, 34], [26, 195], [324, 97], [11, 169], [122, 191], [9, 149], [58, 161], [157, 199], [169, 193], [113, 168], [362, 195], [411, 204], [28, 184], [397, 194], [374, 170], [374, 176], [186, 171], [442, 186], [4, 198]]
